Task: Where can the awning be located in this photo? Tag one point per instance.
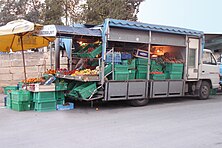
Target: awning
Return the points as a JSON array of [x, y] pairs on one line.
[[68, 31]]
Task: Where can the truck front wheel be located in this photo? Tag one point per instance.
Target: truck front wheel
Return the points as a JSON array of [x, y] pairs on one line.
[[139, 102], [204, 90]]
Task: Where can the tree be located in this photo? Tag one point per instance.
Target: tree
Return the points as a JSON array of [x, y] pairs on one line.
[[95, 11], [35, 13], [72, 11], [7, 12], [20, 9], [53, 11]]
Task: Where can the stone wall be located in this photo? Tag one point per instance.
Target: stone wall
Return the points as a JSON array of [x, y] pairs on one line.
[[12, 71]]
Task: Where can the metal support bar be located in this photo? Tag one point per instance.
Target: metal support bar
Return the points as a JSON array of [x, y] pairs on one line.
[[149, 48], [57, 54]]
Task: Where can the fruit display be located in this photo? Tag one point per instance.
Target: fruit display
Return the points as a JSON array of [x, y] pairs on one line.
[[65, 71], [85, 72], [156, 72], [50, 71], [173, 60], [33, 80]]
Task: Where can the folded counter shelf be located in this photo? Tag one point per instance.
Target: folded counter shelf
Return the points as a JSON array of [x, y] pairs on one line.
[[83, 78], [83, 91]]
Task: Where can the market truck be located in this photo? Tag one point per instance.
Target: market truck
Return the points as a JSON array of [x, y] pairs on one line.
[[136, 62]]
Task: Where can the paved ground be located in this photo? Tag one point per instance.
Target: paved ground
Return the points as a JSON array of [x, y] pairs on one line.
[[165, 123]]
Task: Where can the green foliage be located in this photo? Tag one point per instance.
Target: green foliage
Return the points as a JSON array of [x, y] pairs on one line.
[[53, 12], [95, 11]]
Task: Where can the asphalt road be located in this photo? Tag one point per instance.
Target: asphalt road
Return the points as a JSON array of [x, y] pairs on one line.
[[164, 123]]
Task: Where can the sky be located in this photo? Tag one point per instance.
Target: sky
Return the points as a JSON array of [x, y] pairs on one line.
[[202, 15]]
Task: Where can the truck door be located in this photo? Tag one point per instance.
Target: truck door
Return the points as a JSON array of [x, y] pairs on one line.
[[209, 68], [192, 59]]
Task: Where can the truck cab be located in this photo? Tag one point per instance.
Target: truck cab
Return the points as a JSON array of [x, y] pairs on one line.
[[210, 69]]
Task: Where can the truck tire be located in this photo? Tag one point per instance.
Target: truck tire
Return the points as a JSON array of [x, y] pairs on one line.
[[139, 102], [204, 90]]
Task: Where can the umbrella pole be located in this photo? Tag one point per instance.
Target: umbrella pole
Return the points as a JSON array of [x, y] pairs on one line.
[[23, 59]]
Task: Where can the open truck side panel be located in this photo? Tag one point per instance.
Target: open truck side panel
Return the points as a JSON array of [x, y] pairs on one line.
[[194, 76]]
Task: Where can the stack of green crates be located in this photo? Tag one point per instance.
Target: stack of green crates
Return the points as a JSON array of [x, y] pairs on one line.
[[131, 63], [59, 94], [83, 91], [141, 65], [155, 67], [121, 72], [20, 100], [60, 97], [174, 71], [44, 101]]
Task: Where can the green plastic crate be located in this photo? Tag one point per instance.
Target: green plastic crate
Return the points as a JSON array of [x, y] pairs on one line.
[[140, 74], [108, 69], [21, 95], [141, 61], [59, 95], [131, 63], [132, 74], [157, 76], [156, 68], [174, 75], [45, 106], [83, 91], [84, 52], [61, 86], [9, 101], [20, 105], [174, 67], [119, 75], [9, 88], [85, 48], [87, 91], [142, 67], [120, 68], [95, 52], [44, 96]]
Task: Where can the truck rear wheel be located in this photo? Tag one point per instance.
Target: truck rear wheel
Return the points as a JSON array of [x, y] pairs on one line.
[[139, 102], [204, 91]]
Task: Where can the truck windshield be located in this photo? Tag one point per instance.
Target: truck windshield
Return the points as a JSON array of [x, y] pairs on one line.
[[208, 58]]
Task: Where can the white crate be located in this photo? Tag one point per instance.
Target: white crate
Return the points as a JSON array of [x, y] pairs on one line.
[[41, 88]]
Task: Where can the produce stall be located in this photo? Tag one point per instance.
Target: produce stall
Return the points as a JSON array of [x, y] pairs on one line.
[[38, 94]]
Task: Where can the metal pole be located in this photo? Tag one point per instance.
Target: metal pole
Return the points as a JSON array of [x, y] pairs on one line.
[[149, 48], [51, 55], [57, 54], [23, 59]]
